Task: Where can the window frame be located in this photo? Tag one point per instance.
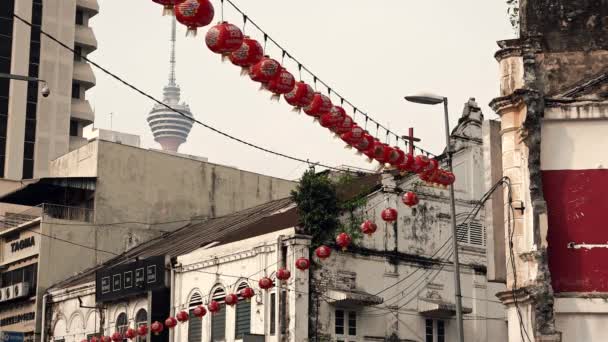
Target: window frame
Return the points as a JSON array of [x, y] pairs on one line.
[[219, 295], [349, 330]]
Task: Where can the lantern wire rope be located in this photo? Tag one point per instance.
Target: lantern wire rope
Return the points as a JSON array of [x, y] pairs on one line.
[[161, 103], [326, 85]]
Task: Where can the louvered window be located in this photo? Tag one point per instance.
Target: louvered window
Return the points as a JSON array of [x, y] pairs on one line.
[[141, 318], [218, 321], [243, 315], [195, 324], [472, 233]]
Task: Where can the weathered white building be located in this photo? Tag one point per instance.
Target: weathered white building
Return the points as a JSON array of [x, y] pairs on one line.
[[80, 307], [550, 143]]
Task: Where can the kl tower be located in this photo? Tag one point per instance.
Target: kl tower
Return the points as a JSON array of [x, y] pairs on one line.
[[170, 129]]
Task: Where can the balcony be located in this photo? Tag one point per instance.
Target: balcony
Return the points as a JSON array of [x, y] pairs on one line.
[[83, 73], [90, 6], [84, 36], [81, 110], [45, 212]]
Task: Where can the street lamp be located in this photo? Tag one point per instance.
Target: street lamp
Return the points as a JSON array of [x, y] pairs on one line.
[[431, 99], [45, 91]]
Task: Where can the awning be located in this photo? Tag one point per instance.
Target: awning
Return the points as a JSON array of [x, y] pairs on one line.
[[352, 298], [438, 308], [48, 190]]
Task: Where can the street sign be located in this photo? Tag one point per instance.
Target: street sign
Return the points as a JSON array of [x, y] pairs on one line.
[[9, 336]]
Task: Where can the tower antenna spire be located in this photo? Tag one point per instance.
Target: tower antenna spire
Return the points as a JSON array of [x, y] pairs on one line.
[[172, 60]]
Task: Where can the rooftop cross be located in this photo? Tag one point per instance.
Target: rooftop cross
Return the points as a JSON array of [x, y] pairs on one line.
[[410, 140]]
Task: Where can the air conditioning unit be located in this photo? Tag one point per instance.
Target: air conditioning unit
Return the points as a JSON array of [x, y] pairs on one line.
[[21, 290], [7, 293]]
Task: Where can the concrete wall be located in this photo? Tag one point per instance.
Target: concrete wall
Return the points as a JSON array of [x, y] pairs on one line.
[[139, 185]]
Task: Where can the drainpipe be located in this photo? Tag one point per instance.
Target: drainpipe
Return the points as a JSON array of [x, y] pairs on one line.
[[277, 315], [43, 320], [172, 302]]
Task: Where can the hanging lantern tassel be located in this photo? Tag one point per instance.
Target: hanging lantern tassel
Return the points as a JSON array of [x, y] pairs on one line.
[[297, 110], [348, 147], [275, 97], [244, 71]]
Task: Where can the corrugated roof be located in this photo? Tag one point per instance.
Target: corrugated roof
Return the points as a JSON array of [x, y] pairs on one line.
[[259, 220]]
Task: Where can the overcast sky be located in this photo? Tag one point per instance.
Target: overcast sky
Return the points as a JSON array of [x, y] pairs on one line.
[[372, 52]]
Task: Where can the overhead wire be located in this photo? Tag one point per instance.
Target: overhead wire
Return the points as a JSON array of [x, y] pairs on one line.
[[161, 103]]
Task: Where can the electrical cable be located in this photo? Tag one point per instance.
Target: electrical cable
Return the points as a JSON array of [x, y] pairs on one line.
[[154, 99]]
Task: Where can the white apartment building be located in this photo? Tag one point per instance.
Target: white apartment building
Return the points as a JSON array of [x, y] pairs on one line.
[[35, 129]]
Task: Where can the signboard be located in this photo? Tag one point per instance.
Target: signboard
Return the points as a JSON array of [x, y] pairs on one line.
[[131, 279], [23, 245], [9, 336]]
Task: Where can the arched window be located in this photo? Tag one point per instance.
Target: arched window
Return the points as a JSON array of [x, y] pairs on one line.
[[218, 321], [243, 314], [122, 324], [195, 324], [141, 318]]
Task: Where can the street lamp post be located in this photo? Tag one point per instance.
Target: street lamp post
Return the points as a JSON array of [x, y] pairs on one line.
[[45, 91], [430, 99]]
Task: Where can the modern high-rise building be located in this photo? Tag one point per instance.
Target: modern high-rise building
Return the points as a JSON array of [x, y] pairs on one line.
[[170, 129], [35, 129]]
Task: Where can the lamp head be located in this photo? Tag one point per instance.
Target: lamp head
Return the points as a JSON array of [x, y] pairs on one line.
[[425, 98]]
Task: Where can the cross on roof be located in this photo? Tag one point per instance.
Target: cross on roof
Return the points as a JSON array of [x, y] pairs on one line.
[[410, 139]]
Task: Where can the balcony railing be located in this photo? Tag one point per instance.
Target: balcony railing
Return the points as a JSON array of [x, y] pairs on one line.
[[47, 211]]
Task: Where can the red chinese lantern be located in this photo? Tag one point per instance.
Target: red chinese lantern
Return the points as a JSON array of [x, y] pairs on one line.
[[106, 339], [333, 118], [116, 337], [354, 136], [264, 70], [283, 83], [367, 141], [199, 311], [213, 307], [389, 215], [224, 38], [265, 283], [410, 199], [381, 152], [303, 264], [231, 299], [194, 14], [182, 316], [85, 340], [323, 252], [396, 157], [94, 339], [156, 328], [170, 322], [283, 274], [344, 126], [142, 330], [408, 163], [320, 105], [343, 240], [420, 163], [247, 293], [451, 178], [168, 5], [249, 53], [432, 165], [131, 333], [300, 96], [368, 227]]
